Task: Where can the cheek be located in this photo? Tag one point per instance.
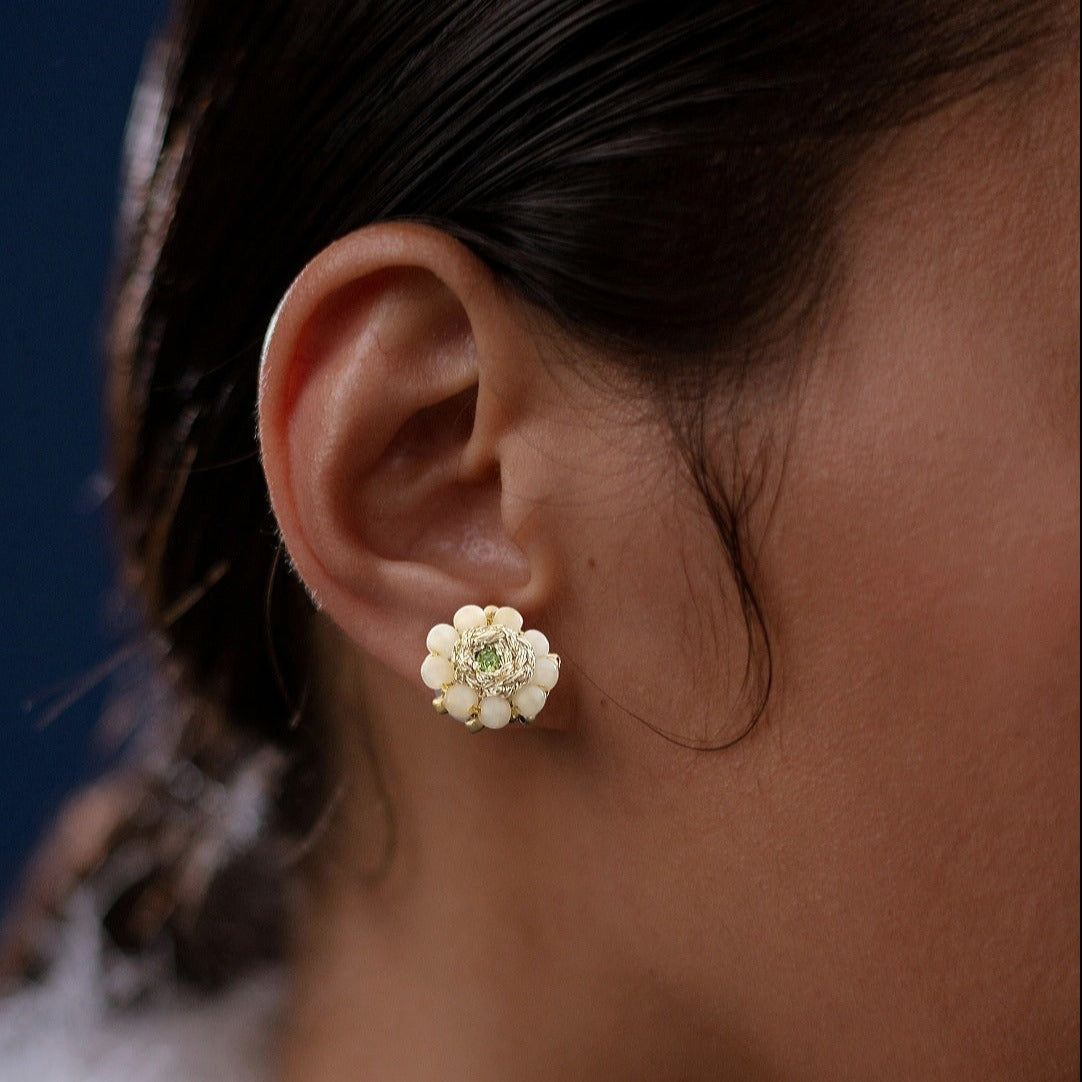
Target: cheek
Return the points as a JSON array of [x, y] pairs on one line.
[[934, 561], [932, 609], [922, 567], [923, 564]]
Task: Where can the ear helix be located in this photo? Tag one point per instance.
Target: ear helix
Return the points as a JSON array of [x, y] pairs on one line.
[[487, 670]]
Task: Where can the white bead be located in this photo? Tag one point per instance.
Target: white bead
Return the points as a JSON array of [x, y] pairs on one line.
[[460, 701], [546, 672], [538, 641], [495, 712], [528, 701], [441, 640], [470, 616], [508, 617], [436, 672]]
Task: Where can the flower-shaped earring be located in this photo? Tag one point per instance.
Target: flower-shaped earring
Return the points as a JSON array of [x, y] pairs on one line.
[[487, 670]]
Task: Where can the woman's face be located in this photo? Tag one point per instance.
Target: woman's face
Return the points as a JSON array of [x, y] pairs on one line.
[[881, 879], [889, 861]]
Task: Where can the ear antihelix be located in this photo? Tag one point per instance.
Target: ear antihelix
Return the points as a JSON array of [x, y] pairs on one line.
[[487, 671]]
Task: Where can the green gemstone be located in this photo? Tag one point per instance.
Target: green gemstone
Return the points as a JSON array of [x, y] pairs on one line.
[[488, 659]]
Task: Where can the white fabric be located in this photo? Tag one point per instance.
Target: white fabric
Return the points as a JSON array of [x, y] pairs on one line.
[[65, 1031]]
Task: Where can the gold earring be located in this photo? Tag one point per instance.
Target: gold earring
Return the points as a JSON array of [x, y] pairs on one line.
[[487, 670]]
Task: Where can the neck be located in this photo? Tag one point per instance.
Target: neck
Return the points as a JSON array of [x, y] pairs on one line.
[[479, 952], [463, 995]]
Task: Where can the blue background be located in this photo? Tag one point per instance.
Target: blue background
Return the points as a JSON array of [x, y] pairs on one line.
[[67, 71]]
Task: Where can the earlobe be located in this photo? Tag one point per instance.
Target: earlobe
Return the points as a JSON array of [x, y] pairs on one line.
[[380, 444]]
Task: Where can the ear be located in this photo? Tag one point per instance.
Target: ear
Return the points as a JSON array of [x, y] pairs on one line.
[[392, 372]]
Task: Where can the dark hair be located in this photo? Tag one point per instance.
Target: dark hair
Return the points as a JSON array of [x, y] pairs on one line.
[[658, 178]]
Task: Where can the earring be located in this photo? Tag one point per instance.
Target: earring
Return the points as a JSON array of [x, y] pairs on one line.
[[487, 670]]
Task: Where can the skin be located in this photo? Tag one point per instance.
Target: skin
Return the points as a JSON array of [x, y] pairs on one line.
[[882, 879]]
